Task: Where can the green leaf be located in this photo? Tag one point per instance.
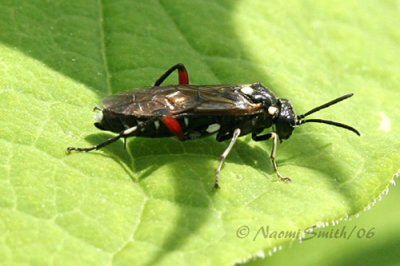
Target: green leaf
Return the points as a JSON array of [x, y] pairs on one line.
[[370, 239], [153, 203]]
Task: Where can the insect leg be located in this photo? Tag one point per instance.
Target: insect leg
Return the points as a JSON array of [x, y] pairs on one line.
[[182, 74], [236, 134], [122, 134], [275, 139], [173, 126]]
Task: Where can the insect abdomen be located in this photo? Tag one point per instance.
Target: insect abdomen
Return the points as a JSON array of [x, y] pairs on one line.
[[189, 126]]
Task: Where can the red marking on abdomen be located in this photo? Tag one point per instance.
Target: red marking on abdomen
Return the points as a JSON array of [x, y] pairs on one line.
[[173, 126]]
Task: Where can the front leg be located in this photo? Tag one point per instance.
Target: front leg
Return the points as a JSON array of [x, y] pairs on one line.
[[275, 139]]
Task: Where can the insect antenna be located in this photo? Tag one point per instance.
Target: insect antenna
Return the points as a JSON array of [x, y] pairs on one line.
[[301, 121]]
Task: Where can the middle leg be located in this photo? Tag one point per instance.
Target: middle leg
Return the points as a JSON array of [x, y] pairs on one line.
[[236, 134]]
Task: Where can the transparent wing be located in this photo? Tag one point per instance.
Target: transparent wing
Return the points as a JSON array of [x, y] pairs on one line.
[[195, 99]]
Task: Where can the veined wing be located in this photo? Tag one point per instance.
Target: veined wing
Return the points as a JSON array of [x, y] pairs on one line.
[[179, 99]]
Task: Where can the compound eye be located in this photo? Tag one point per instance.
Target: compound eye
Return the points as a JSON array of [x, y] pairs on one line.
[[286, 120]]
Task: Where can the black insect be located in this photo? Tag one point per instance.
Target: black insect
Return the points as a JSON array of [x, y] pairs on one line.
[[195, 111]]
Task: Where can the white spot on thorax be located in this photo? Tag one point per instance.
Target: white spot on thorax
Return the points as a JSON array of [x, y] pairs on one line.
[[98, 117], [272, 110], [186, 121], [247, 90], [386, 124], [213, 128]]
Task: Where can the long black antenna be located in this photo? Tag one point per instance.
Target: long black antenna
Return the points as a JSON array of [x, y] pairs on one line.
[[325, 105], [333, 123], [300, 120]]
